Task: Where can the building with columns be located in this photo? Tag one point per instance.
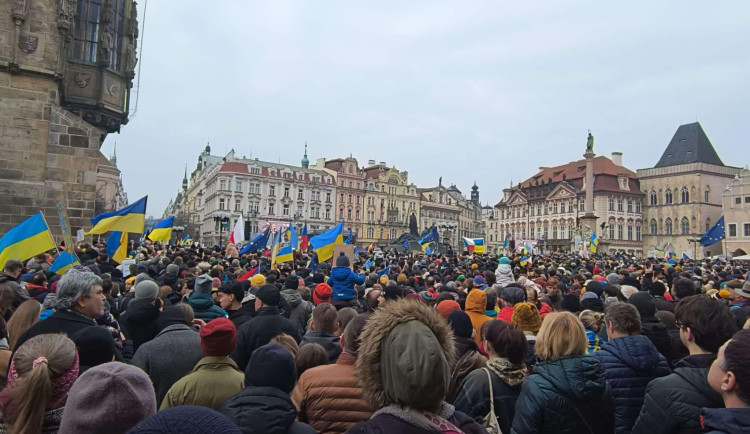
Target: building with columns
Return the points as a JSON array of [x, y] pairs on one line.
[[683, 193], [350, 190], [549, 207], [391, 203]]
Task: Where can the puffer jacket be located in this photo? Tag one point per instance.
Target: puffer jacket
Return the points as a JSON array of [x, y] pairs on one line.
[[301, 310], [473, 398], [504, 275], [657, 332], [476, 302], [328, 397], [673, 403], [630, 363], [725, 420], [342, 283], [560, 393], [264, 410], [468, 359], [204, 307]]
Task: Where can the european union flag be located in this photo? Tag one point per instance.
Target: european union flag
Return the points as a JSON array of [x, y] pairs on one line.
[[384, 271], [715, 234]]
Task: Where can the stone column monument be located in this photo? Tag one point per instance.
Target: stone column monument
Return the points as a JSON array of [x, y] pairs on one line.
[[589, 220]]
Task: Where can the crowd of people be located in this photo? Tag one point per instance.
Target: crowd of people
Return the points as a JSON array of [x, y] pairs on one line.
[[187, 339]]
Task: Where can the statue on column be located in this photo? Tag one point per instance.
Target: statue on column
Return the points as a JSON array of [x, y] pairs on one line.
[[590, 144]]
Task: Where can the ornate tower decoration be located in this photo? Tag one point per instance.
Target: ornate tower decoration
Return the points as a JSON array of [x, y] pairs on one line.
[[588, 221], [305, 161], [185, 180], [113, 158], [475, 193]]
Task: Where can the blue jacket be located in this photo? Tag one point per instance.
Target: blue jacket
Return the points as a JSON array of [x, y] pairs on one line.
[[204, 307], [630, 363], [725, 420], [342, 283]]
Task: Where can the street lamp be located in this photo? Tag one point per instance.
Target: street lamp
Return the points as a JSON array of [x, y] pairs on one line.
[[221, 218]]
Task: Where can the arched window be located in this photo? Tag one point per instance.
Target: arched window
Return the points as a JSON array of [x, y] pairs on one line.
[[708, 224], [653, 197], [668, 197], [684, 195], [684, 226], [668, 226], [652, 227]]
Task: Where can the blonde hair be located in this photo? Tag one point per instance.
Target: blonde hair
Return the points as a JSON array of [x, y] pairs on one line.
[[562, 334], [286, 341], [592, 320], [25, 402], [23, 318]]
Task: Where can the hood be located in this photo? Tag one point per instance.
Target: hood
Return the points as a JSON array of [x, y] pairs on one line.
[[370, 361], [637, 352], [339, 273], [729, 420], [476, 301], [292, 296], [142, 311], [577, 377], [261, 410], [504, 269], [200, 300], [5, 277]]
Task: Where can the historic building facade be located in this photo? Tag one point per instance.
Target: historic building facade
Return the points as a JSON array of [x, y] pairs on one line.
[[66, 69], [683, 193], [438, 208], [350, 190], [547, 208], [110, 193], [735, 206], [391, 204]]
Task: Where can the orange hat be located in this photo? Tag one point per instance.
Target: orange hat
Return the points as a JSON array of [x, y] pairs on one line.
[[445, 308]]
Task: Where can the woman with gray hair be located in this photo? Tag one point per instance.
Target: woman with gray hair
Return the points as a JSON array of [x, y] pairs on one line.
[[79, 300]]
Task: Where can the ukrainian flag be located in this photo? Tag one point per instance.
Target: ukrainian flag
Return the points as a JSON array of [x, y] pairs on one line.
[[524, 261], [162, 231], [28, 239], [117, 246], [64, 262], [594, 242], [187, 240], [430, 237], [129, 219], [323, 243], [275, 247], [478, 245]]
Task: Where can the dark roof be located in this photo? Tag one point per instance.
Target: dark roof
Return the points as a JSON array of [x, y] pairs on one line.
[[689, 145]]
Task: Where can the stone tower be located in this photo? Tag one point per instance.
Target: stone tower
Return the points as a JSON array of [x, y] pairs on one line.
[[66, 69], [475, 194]]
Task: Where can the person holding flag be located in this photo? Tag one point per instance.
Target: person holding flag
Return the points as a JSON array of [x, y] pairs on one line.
[[304, 241]]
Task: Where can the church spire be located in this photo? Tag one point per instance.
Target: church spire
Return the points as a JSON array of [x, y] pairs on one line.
[[113, 158], [185, 180], [305, 161]]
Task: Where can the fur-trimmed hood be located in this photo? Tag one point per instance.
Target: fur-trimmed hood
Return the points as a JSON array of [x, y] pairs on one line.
[[376, 333]]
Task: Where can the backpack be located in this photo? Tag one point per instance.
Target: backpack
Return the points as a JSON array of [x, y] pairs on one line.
[[489, 422]]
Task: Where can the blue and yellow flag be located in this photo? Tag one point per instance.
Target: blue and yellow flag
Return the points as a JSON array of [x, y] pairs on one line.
[[64, 262], [162, 231], [187, 240], [431, 237], [275, 247], [117, 246], [323, 243], [129, 219], [524, 261], [28, 239], [594, 242]]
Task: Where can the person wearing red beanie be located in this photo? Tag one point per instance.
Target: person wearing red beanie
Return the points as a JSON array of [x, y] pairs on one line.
[[322, 294], [216, 377], [446, 307]]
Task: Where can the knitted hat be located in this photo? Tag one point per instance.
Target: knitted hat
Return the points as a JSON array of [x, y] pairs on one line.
[[109, 398], [271, 366], [258, 280], [269, 294], [479, 281], [392, 293], [383, 279], [461, 278], [322, 293], [218, 337], [570, 303], [402, 279], [95, 346], [342, 260], [595, 287], [613, 279], [526, 318], [504, 261], [234, 288], [186, 419], [203, 284], [644, 302], [446, 307], [173, 269], [724, 293], [215, 283], [474, 266], [291, 282], [147, 290], [461, 324], [428, 296]]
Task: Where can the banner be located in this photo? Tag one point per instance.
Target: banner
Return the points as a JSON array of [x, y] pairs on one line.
[[63, 216], [79, 235]]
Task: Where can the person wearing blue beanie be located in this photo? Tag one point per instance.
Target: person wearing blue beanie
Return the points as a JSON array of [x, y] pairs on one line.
[[186, 419]]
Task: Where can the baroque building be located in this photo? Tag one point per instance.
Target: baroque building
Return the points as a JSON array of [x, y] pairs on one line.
[[547, 208], [66, 69], [350, 190], [391, 204], [439, 208], [735, 207], [683, 192]]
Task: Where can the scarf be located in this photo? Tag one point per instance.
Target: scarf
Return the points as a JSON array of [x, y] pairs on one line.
[[511, 374], [423, 419]]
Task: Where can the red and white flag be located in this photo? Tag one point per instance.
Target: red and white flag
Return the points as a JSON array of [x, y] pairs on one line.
[[238, 234]]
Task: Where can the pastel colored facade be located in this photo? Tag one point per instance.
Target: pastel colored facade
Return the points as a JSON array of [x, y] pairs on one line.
[[683, 193], [390, 202], [548, 208], [439, 208], [350, 188], [736, 212], [65, 76]]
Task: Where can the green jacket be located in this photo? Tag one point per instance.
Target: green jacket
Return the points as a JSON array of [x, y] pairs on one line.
[[213, 381]]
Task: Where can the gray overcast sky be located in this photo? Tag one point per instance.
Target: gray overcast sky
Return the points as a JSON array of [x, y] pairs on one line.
[[484, 91]]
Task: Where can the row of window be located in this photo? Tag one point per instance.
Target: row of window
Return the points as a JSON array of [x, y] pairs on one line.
[[254, 207], [668, 226], [620, 202], [738, 200], [732, 230], [371, 233], [669, 197], [254, 188], [616, 232]]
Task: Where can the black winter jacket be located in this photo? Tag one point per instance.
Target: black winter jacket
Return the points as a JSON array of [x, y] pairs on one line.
[[655, 330], [264, 410], [560, 393], [630, 363], [725, 420], [473, 398], [329, 342], [267, 324], [140, 322], [242, 315], [673, 403]]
